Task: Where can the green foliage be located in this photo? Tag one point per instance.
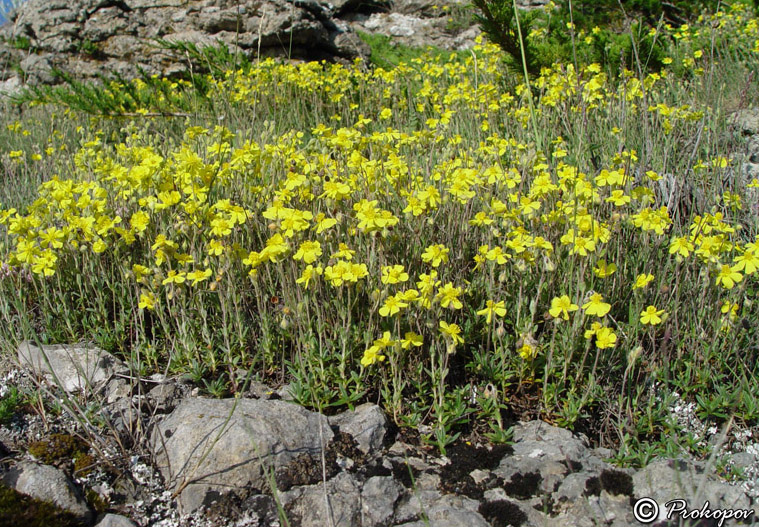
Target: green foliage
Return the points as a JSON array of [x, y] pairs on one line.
[[216, 60], [9, 404], [498, 19], [87, 47], [20, 42], [62, 448], [20, 509], [589, 32], [387, 54]]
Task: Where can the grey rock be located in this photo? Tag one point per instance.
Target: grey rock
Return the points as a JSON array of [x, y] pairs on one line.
[[367, 424], [10, 87], [343, 6], [378, 498], [38, 68], [744, 460], [540, 431], [747, 121], [574, 488], [47, 483], [126, 32], [163, 397], [307, 506], [125, 46], [104, 23], [73, 367], [419, 23], [572, 449], [118, 389], [518, 510], [421, 502], [604, 509], [666, 480], [260, 390], [209, 446], [115, 520], [441, 516], [286, 393]]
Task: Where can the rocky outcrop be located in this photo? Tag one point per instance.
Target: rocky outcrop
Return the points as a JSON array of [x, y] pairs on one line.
[[746, 122], [206, 447], [90, 37], [255, 459], [47, 483], [74, 368]]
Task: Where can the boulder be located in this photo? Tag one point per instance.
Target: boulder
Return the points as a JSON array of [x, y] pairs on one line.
[[367, 424], [115, 520], [378, 498], [50, 484], [207, 447], [72, 367], [89, 38], [668, 479], [335, 502]]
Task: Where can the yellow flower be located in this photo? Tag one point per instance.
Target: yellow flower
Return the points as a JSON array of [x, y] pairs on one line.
[[323, 223], [45, 263], [139, 221], [174, 278], [198, 276], [731, 309], [728, 276], [411, 339], [344, 252], [99, 246], [682, 247], [605, 338], [308, 252], [452, 331], [596, 306], [448, 295], [215, 248], [602, 270], [527, 350], [748, 262], [435, 255], [642, 280], [651, 316], [393, 274], [140, 271], [561, 306], [371, 356], [493, 308], [147, 301], [393, 305], [308, 274]]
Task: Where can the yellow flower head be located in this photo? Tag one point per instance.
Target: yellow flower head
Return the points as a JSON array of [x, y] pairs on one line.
[[435, 255], [308, 251], [448, 295], [642, 280], [451, 331], [393, 274], [596, 306], [728, 276], [561, 306], [493, 308], [651, 316], [602, 270]]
